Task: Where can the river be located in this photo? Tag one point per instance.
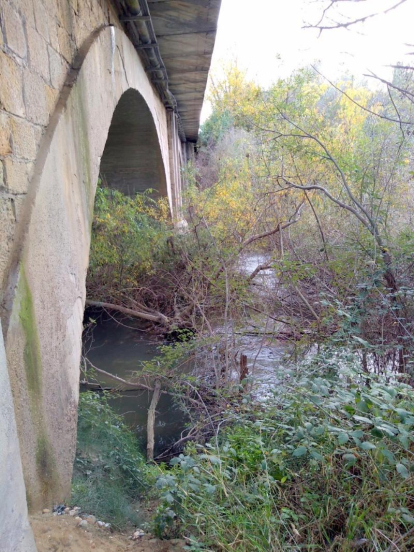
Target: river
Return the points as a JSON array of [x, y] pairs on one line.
[[120, 346]]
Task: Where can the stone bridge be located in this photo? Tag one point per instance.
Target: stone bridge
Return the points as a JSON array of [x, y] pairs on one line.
[[87, 87]]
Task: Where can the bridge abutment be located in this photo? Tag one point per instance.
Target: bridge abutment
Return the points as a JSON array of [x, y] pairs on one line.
[[69, 76]]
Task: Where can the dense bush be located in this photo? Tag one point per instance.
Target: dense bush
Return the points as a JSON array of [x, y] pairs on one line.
[[326, 464]]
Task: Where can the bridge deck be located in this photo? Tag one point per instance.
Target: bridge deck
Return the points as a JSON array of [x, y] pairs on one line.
[[185, 32]]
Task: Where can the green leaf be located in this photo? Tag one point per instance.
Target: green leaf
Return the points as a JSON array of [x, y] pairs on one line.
[[316, 455], [349, 458], [386, 429], [209, 488], [402, 470], [300, 451], [366, 445], [213, 459], [350, 409], [363, 419], [361, 341], [318, 431], [404, 441], [388, 455], [169, 498], [343, 438]]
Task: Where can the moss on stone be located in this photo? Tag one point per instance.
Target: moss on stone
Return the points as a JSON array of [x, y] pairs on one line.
[[32, 360], [45, 460], [46, 465]]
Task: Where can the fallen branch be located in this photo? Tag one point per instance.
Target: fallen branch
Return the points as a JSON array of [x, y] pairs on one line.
[[258, 269], [143, 386], [157, 317]]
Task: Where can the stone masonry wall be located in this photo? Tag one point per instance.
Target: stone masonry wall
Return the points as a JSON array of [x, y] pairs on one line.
[[39, 40]]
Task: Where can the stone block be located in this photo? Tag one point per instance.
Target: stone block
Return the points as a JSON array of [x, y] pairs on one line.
[[75, 6], [18, 174], [58, 69], [65, 14], [38, 57], [25, 138], [25, 8], [51, 7], [53, 32], [35, 98], [42, 20], [1, 176], [5, 144], [11, 95], [52, 96], [14, 30], [66, 47], [81, 33]]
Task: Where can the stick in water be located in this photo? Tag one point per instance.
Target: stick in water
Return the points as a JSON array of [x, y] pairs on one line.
[[151, 420]]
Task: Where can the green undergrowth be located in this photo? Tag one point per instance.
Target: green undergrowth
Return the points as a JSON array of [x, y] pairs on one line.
[[326, 463], [110, 474]]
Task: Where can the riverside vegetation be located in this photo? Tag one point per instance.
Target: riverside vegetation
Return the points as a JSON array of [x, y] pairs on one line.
[[317, 179]]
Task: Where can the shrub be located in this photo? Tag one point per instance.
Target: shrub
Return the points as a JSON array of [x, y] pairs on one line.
[[110, 474]]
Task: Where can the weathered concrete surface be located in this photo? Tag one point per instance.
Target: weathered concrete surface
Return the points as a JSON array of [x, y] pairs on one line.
[[15, 532], [46, 291]]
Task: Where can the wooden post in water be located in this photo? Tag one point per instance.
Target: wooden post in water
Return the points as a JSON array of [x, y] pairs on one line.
[[151, 421], [244, 370]]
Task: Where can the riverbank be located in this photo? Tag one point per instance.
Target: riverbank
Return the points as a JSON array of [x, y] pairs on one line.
[[56, 533]]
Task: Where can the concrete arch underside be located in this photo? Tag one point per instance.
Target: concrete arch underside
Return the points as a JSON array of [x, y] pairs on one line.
[[45, 292]]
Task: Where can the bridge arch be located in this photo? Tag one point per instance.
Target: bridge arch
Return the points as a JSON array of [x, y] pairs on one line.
[[132, 160], [112, 114]]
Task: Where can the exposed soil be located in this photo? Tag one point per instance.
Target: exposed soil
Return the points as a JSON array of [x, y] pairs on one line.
[[62, 534]]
